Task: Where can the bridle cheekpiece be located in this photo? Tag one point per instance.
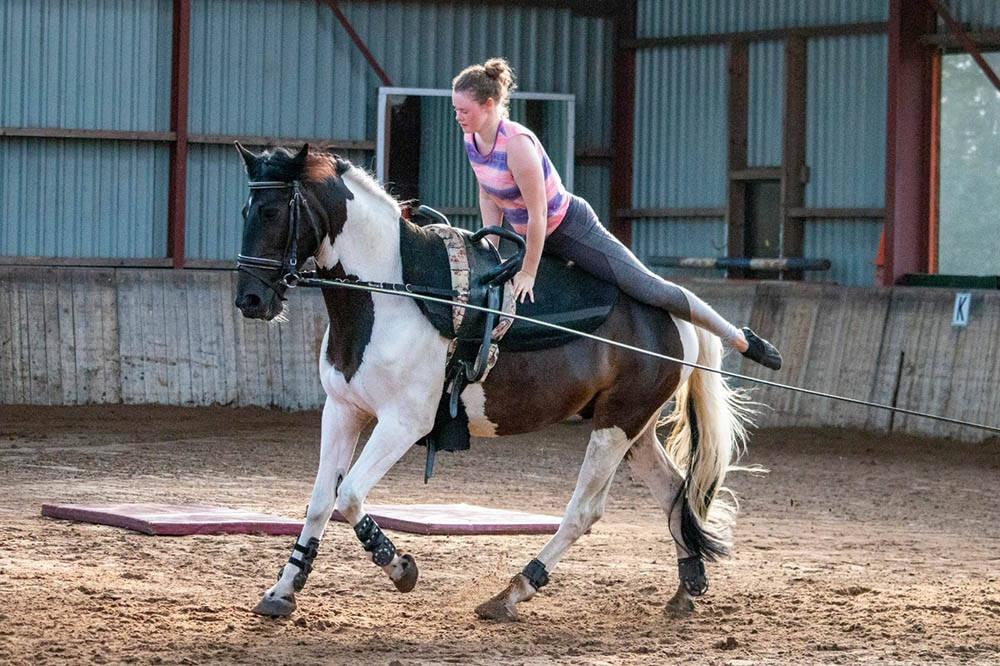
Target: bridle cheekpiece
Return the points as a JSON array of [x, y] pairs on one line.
[[290, 262]]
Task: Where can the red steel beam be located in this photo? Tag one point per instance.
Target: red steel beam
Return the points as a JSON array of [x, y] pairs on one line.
[[966, 41], [907, 154], [622, 123], [177, 193], [358, 42]]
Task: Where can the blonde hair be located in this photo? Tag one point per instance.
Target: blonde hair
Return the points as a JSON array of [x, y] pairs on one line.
[[494, 79]]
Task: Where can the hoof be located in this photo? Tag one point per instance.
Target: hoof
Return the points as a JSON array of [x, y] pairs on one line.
[[680, 605], [408, 578], [498, 609], [275, 606]]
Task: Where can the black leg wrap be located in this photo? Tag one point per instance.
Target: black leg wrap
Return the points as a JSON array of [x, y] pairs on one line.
[[692, 574], [371, 538], [305, 564], [536, 574]]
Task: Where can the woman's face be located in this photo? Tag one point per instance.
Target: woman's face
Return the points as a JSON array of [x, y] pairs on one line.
[[470, 114]]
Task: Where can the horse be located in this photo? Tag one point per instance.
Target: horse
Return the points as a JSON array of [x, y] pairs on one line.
[[381, 360]]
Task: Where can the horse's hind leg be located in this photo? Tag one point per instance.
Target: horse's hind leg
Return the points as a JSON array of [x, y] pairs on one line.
[[649, 463], [341, 427], [604, 453]]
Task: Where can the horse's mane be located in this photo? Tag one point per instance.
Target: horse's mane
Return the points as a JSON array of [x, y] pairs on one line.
[[369, 184], [323, 165]]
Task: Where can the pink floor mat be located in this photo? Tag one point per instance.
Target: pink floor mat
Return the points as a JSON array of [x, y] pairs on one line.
[[183, 519]]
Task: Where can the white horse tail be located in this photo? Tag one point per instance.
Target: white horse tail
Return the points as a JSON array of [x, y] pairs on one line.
[[709, 422]]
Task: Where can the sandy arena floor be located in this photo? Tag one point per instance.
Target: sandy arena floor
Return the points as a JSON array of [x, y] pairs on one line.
[[855, 549]]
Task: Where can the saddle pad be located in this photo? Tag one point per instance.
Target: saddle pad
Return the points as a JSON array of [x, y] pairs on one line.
[[564, 295], [185, 519]]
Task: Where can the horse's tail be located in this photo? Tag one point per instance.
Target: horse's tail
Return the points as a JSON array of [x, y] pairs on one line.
[[709, 422]]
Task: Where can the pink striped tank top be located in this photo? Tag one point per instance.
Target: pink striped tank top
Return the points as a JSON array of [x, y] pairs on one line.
[[497, 181]]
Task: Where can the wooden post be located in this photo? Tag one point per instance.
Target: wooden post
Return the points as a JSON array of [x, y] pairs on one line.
[[793, 160], [737, 110], [907, 153], [177, 189], [623, 123]]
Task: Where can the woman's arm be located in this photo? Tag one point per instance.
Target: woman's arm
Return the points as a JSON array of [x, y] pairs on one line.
[[526, 167], [491, 214]]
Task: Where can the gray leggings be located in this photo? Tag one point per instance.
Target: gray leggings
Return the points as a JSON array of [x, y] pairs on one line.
[[582, 239]]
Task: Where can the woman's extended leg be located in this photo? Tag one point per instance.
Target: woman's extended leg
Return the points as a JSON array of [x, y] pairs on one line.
[[582, 239]]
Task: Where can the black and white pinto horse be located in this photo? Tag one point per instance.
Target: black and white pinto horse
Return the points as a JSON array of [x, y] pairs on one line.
[[382, 360]]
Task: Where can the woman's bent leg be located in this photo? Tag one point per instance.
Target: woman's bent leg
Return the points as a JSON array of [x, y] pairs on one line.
[[582, 239]]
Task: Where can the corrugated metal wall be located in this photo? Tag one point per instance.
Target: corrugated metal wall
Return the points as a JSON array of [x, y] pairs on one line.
[[845, 151], [766, 104], [317, 84], [974, 14], [680, 120], [680, 144], [258, 68], [851, 246], [680, 127], [71, 198], [669, 18], [845, 121], [102, 65]]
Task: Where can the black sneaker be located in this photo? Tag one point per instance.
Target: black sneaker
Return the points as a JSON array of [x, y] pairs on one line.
[[761, 351]]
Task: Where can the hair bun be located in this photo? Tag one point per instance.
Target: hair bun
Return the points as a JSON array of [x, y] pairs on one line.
[[496, 68]]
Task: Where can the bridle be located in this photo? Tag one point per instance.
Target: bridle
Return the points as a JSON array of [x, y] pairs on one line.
[[289, 264]]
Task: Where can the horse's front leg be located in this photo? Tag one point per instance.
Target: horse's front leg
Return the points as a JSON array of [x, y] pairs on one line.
[[394, 434], [341, 427]]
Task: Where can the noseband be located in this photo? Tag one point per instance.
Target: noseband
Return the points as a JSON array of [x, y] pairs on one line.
[[289, 265]]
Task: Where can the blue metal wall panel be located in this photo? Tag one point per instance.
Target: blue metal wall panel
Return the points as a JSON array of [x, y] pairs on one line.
[[974, 14], [275, 69], [216, 191], [669, 18], [851, 246], [288, 67], [680, 238], [845, 121], [70, 198], [680, 127], [766, 103], [102, 64], [593, 183], [319, 85]]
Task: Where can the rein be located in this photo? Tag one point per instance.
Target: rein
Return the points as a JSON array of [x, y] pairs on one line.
[[293, 278]]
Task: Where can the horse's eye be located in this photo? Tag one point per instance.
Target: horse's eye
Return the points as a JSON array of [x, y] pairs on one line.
[[269, 214]]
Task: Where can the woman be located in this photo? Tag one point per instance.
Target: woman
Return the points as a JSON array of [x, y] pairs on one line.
[[519, 184]]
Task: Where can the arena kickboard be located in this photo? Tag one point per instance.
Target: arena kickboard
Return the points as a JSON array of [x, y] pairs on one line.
[[181, 520]]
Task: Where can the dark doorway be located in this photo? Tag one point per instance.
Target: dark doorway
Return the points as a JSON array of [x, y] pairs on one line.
[[762, 230], [403, 164]]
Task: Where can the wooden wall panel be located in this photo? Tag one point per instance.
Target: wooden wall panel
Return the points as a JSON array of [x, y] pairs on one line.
[[116, 335]]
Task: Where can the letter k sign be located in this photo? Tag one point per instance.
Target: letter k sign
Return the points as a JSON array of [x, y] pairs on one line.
[[960, 317]]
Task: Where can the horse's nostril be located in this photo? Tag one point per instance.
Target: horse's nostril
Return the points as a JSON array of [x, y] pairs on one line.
[[245, 301]]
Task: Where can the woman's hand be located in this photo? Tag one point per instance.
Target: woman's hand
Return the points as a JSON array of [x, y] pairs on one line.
[[524, 283]]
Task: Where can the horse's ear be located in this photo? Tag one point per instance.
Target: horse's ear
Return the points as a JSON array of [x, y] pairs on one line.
[[249, 159], [300, 157]]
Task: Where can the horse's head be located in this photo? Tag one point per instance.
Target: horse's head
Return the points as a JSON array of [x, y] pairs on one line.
[[289, 211]]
